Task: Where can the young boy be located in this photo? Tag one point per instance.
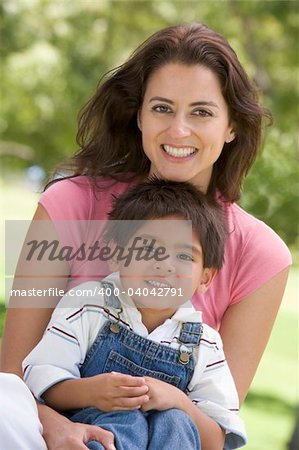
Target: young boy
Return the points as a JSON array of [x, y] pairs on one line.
[[130, 353]]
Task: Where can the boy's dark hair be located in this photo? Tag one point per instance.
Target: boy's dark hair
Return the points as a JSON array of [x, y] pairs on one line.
[[156, 199]]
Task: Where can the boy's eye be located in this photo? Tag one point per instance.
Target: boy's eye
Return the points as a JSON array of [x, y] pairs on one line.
[[148, 249], [185, 257], [161, 108]]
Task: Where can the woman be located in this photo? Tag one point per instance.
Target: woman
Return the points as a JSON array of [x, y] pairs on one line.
[[181, 108]]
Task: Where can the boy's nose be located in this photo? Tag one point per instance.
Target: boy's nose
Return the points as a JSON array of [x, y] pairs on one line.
[[164, 267]]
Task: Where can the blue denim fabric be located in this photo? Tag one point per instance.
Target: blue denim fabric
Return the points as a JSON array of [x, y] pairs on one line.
[[171, 429], [130, 428], [119, 349]]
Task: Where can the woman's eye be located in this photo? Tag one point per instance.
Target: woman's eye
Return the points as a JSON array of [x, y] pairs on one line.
[[202, 113], [161, 109], [185, 257]]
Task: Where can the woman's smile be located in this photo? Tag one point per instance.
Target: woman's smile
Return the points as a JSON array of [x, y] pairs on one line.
[[178, 152]]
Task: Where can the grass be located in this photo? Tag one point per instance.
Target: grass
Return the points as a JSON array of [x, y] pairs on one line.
[[2, 317], [270, 405]]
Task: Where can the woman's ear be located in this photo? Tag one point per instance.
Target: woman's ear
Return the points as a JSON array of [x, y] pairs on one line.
[[139, 120], [206, 279], [231, 134]]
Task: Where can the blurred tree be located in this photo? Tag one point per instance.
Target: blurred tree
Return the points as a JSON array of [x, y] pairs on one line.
[[270, 42], [53, 53]]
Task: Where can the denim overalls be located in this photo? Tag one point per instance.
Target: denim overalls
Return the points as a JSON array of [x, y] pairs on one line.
[[117, 348]]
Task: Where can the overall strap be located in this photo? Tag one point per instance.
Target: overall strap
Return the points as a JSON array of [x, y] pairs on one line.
[[191, 333], [110, 299]]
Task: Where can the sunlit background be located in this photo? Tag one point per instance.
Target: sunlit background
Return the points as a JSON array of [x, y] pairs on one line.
[[53, 54]]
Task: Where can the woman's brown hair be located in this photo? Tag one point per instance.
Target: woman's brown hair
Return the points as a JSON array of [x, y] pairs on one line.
[[109, 138]]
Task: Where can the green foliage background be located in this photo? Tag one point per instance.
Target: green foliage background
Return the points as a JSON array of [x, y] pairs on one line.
[[54, 52]]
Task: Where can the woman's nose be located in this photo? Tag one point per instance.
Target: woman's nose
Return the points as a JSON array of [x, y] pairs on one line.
[[179, 127]]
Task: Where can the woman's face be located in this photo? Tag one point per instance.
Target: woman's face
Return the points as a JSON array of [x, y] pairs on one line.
[[184, 123]]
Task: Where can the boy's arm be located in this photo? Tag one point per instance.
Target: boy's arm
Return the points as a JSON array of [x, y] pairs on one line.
[[213, 391], [212, 399], [51, 370], [62, 349], [68, 394], [212, 436], [165, 396], [107, 391]]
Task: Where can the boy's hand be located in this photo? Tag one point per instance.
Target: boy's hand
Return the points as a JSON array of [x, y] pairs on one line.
[[116, 391], [162, 395]]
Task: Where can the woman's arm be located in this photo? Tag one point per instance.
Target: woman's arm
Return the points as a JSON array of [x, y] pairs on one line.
[[23, 329], [62, 434], [246, 327], [25, 325]]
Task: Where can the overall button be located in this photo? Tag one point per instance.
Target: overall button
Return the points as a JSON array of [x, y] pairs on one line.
[[114, 328], [184, 357]]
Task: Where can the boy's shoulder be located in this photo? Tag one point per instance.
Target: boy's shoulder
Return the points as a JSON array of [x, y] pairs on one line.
[[92, 291], [187, 313], [81, 294], [211, 337]]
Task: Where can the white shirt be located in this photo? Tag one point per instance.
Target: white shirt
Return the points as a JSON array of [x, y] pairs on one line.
[[20, 427], [74, 327]]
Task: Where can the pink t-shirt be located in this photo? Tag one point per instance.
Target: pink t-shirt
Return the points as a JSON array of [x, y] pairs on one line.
[[254, 253]]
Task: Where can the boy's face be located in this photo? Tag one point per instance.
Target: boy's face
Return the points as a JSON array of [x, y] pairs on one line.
[[167, 264]]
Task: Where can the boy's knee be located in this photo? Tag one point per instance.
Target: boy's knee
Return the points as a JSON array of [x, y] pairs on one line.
[[94, 445], [176, 415], [176, 426], [177, 420]]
